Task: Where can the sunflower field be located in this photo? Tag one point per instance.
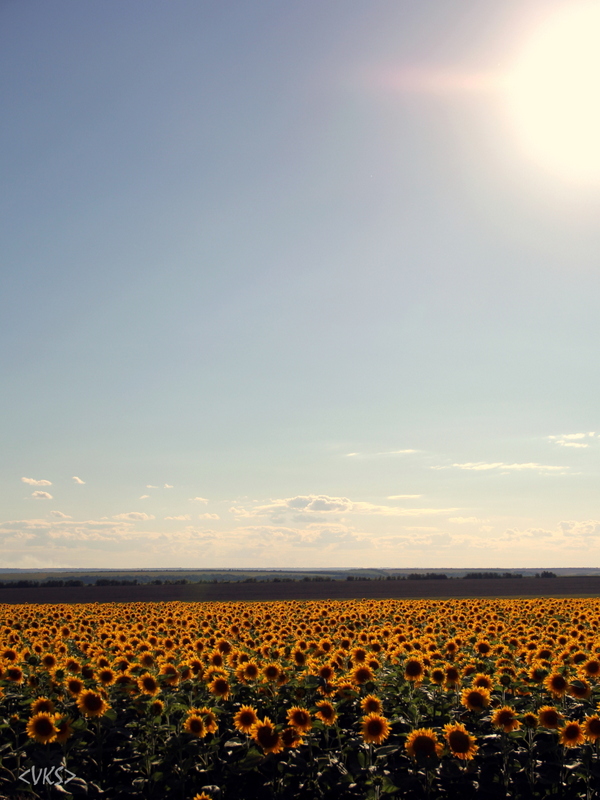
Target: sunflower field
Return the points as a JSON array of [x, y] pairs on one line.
[[323, 699]]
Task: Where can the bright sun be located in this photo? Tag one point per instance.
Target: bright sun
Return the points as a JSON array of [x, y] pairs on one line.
[[554, 93]]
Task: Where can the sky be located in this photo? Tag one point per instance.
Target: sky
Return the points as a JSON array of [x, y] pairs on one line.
[[299, 284]]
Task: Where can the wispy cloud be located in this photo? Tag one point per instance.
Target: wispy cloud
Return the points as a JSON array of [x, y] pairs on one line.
[[167, 486], [33, 482], [78, 480], [134, 516], [41, 496], [180, 517], [144, 496], [198, 500], [403, 496], [324, 504], [208, 516], [150, 486], [482, 466], [469, 520], [572, 439], [382, 453], [60, 515]]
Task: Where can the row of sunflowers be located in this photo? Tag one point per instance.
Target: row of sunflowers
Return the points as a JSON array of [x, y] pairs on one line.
[[327, 699]]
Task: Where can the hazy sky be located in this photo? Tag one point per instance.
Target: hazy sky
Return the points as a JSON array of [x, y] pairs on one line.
[[299, 284]]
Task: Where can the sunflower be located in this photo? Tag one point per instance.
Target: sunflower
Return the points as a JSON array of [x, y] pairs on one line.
[[537, 673], [360, 675], [148, 684], [591, 728], [549, 717], [414, 670], [92, 704], [216, 659], [14, 675], [358, 655], [452, 676], [530, 720], [250, 671], [156, 707], [271, 672], [299, 718], [375, 728], [64, 728], [482, 681], [475, 699], [506, 719], [437, 676], [147, 660], [291, 737], [571, 735], [170, 674], [209, 718], [371, 704], [345, 689], [42, 705], [266, 735], [42, 728], [245, 719], [423, 743], [326, 713], [327, 672], [591, 668], [194, 725], [299, 657], [48, 660], [124, 681], [201, 796], [556, 684], [220, 688], [461, 743], [106, 676], [580, 689], [483, 648]]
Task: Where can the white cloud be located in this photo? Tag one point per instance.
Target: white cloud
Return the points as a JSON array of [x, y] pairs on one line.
[[42, 496], [133, 516], [481, 466], [180, 517], [33, 482], [167, 486], [208, 516], [78, 480], [324, 504], [198, 500], [144, 496], [150, 486], [395, 452], [568, 439], [403, 496], [382, 453], [60, 515]]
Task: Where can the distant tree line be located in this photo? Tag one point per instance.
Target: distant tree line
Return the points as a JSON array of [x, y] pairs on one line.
[[486, 575], [56, 583], [49, 584]]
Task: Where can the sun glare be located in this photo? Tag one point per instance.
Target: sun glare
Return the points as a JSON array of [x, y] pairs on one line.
[[554, 93]]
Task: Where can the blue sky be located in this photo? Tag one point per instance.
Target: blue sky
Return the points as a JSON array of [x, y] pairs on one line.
[[301, 264]]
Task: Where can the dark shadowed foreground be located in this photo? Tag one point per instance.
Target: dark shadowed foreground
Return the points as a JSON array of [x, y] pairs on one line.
[[331, 590]]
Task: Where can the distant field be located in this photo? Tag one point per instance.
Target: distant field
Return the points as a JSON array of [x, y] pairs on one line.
[[571, 586]]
